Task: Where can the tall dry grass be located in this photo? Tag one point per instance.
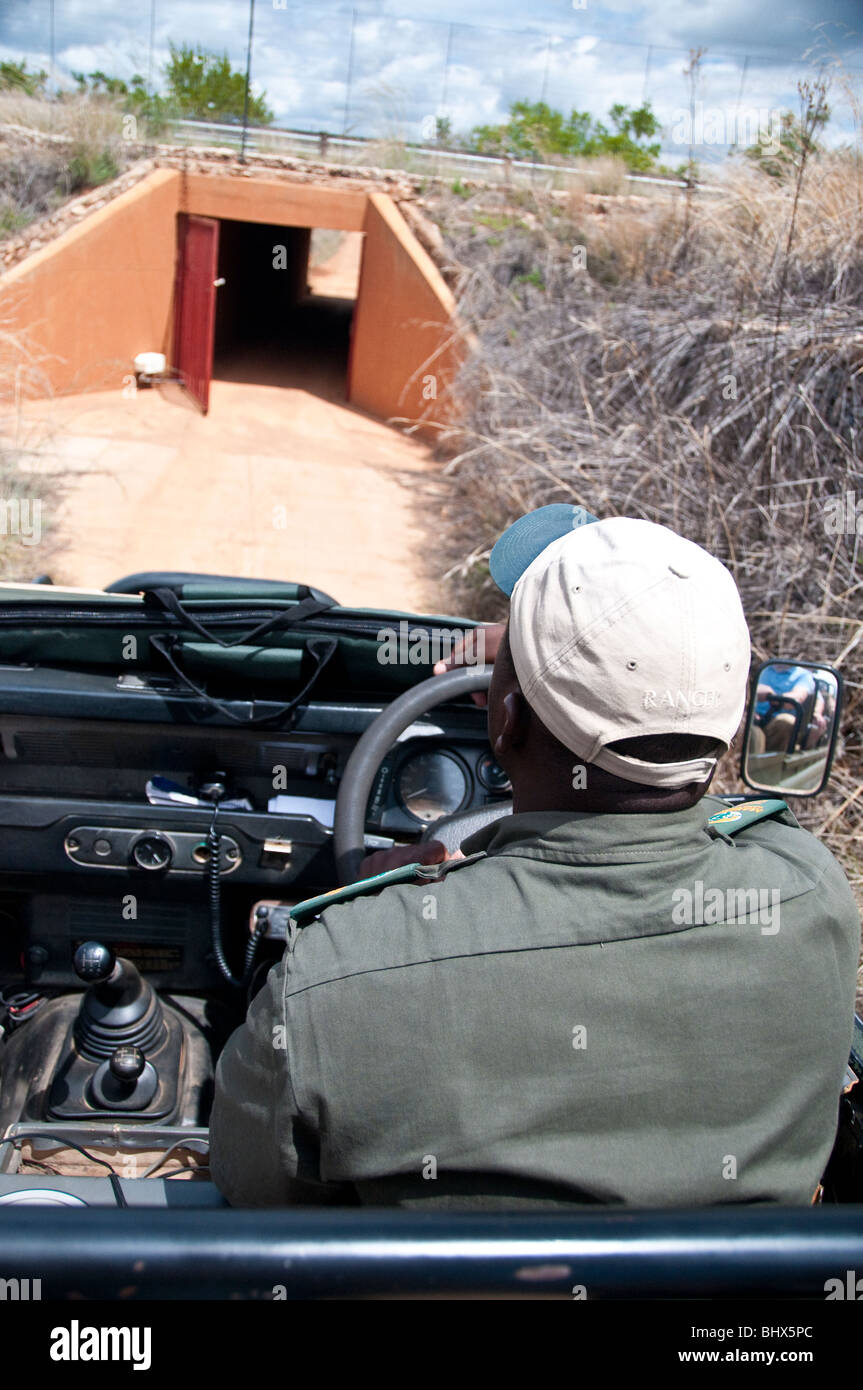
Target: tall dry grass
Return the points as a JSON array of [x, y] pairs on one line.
[[27, 480], [93, 121], [602, 174], [52, 150], [657, 380]]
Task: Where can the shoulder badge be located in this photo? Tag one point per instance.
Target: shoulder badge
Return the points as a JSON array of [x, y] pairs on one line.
[[408, 873], [736, 818]]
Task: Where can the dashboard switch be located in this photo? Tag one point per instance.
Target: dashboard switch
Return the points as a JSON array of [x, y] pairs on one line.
[[276, 854]]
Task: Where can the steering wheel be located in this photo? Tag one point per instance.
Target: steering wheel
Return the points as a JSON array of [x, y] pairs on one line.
[[370, 751]]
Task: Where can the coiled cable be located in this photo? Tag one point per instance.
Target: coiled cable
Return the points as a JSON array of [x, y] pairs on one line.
[[214, 895]]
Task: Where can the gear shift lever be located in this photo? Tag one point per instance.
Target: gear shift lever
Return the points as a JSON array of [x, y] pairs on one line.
[[105, 1067], [127, 1064], [127, 1081], [119, 1009], [93, 961]]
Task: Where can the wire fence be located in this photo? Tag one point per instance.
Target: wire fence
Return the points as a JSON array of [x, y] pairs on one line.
[[465, 68], [378, 75]]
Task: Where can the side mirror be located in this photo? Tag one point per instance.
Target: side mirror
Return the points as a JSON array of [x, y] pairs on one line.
[[791, 728]]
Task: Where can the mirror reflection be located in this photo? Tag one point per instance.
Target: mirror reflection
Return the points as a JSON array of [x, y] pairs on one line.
[[792, 726]]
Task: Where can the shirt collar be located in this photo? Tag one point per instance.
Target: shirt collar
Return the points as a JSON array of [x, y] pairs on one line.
[[585, 837]]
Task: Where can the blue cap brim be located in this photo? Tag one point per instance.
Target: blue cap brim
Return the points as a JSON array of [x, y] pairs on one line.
[[520, 544]]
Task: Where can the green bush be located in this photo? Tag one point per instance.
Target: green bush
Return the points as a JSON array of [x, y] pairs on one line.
[[89, 168], [535, 131]]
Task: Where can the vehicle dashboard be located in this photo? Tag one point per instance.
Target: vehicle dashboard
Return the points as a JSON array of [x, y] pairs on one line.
[[86, 852]]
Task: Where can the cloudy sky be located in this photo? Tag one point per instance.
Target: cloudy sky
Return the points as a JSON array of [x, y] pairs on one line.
[[467, 59]]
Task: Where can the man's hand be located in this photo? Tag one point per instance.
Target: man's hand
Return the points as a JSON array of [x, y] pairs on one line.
[[384, 859], [378, 863], [478, 647]]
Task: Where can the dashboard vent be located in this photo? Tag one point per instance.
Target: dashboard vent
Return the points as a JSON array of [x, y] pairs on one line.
[[65, 749], [98, 917]]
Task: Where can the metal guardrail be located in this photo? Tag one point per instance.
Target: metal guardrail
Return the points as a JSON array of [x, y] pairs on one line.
[[423, 158]]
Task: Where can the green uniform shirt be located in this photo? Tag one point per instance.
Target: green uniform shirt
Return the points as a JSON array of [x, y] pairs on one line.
[[630, 1009]]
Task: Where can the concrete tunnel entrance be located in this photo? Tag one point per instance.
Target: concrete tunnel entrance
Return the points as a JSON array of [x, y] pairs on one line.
[[138, 274], [285, 310]]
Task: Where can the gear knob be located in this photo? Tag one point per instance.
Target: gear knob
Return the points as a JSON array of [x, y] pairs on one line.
[[127, 1063], [93, 962]]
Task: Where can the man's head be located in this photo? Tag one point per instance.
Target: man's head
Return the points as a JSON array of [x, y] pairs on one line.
[[624, 672]]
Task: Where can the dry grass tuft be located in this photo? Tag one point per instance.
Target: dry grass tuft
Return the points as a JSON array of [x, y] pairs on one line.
[[28, 492], [52, 150], [603, 174]]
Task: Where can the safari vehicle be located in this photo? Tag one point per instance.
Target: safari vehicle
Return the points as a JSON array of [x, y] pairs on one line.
[[172, 751]]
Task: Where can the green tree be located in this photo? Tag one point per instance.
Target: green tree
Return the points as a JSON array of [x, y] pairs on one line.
[[99, 84], [532, 131], [17, 77], [796, 138], [536, 131], [443, 131], [626, 140], [150, 108], [205, 87]]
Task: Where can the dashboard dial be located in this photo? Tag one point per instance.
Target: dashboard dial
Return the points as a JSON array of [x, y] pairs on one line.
[[431, 785], [492, 775], [151, 852]]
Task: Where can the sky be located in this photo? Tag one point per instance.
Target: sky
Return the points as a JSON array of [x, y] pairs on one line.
[[389, 67]]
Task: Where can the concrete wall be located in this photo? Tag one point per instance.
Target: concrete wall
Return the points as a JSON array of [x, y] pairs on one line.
[[267, 200], [402, 355], [103, 290]]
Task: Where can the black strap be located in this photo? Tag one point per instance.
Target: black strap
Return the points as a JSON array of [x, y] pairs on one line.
[[321, 648], [306, 608]]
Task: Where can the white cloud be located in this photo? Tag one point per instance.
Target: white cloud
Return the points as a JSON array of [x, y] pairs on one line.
[[301, 53]]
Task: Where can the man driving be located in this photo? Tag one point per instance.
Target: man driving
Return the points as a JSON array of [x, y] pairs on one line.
[[611, 998]]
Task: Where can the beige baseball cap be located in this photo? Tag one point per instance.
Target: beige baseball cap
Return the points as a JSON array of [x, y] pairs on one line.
[[620, 629]]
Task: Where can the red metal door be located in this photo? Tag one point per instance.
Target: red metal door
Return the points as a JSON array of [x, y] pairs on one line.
[[195, 303]]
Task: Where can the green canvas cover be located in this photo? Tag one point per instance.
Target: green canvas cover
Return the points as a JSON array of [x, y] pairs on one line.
[[45, 626]]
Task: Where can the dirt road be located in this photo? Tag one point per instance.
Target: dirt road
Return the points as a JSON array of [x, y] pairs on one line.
[[274, 483]]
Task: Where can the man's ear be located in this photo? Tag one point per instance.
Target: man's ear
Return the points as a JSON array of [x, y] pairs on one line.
[[514, 717]]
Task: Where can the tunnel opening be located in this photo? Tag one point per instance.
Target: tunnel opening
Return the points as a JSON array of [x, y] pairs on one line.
[[285, 305]]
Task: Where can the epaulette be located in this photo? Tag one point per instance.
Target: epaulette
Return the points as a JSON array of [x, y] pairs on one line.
[[737, 818], [408, 873]]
